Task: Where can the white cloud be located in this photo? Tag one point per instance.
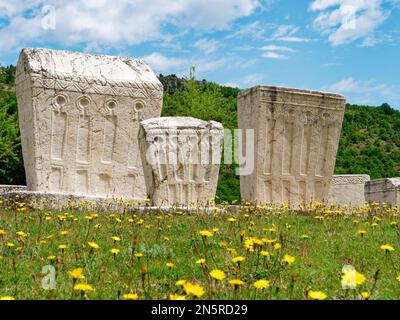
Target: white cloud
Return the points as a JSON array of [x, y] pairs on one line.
[[113, 24], [348, 85], [252, 79], [161, 63], [295, 39], [287, 33], [207, 45], [273, 55], [277, 48], [366, 91], [231, 84], [373, 40], [180, 66], [255, 30], [273, 51], [345, 21]]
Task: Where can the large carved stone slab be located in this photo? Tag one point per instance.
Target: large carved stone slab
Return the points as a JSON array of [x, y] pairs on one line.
[[348, 189], [181, 159], [296, 135], [79, 116], [383, 191]]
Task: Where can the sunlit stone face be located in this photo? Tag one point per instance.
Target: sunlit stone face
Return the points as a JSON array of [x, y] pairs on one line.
[[181, 158], [296, 136], [79, 116]]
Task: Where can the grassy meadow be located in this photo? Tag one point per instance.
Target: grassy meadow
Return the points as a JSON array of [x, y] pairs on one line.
[[319, 252]]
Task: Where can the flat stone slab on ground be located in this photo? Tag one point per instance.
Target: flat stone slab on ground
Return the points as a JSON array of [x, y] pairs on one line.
[[348, 189], [383, 191]]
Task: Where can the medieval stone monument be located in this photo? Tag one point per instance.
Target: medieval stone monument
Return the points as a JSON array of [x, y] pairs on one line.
[[296, 135], [348, 189], [383, 191], [79, 116], [181, 159]]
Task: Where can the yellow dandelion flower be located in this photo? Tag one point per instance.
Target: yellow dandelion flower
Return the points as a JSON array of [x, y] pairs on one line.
[[361, 232], [180, 283], [289, 259], [62, 246], [277, 246], [116, 239], [205, 233], [238, 259], [305, 236], [10, 244], [21, 234], [7, 298], [233, 251], [265, 253], [366, 294], [193, 289], [138, 255], [76, 273], [316, 295], [51, 258], [201, 261], [387, 248], [2, 232], [176, 297], [261, 284], [93, 245], [236, 282], [351, 278], [114, 251], [130, 296], [217, 274], [169, 265], [83, 287]]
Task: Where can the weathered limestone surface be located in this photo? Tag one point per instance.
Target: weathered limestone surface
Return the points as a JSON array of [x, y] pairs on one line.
[[383, 191], [296, 139], [11, 188], [348, 189], [181, 158], [79, 116]]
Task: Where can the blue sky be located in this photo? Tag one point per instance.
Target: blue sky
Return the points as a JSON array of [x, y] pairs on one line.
[[345, 46]]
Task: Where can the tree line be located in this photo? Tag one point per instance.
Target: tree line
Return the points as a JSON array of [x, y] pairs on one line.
[[369, 143]]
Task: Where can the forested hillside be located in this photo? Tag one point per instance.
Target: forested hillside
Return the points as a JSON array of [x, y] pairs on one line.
[[370, 141]]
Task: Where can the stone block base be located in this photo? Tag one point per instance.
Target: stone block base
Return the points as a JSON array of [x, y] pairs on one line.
[[348, 189]]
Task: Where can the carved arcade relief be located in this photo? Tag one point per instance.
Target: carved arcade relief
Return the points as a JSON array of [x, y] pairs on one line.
[[297, 134], [79, 116]]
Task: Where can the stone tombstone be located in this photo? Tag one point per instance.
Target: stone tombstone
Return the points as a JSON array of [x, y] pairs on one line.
[[181, 159], [79, 116], [348, 189], [296, 136], [383, 191]]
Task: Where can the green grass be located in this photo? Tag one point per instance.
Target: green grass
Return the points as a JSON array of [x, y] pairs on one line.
[[333, 243]]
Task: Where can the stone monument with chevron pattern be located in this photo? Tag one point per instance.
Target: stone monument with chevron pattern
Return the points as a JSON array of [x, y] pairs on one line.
[[79, 116]]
